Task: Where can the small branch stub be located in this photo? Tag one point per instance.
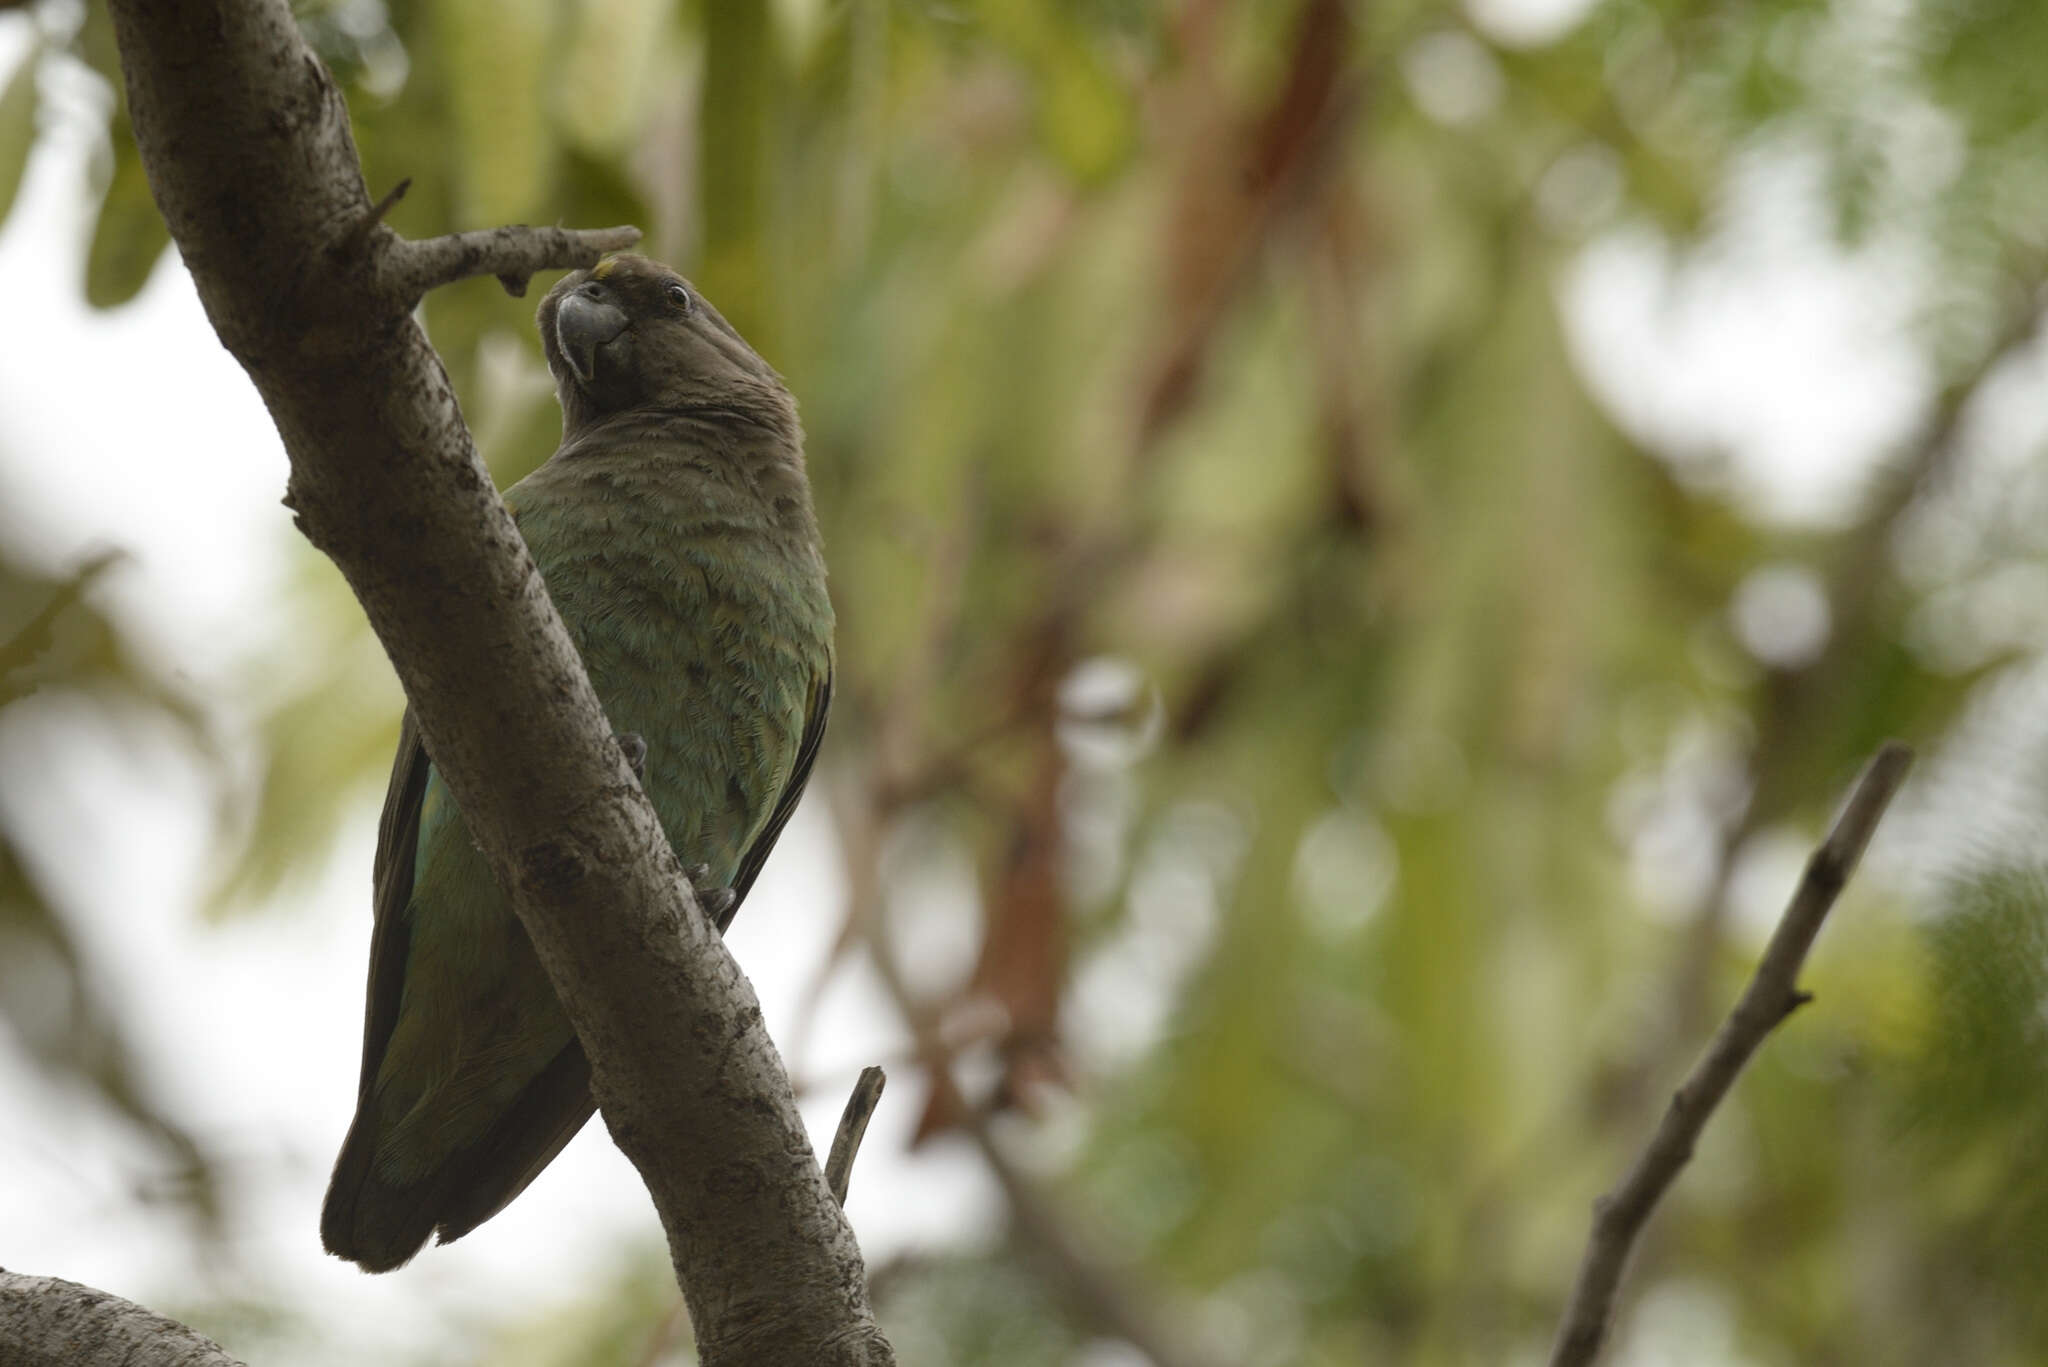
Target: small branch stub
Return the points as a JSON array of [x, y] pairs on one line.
[[370, 220], [1772, 995], [853, 1127]]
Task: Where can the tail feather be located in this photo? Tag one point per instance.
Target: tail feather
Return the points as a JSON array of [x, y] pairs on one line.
[[367, 1219], [379, 1224], [547, 1115]]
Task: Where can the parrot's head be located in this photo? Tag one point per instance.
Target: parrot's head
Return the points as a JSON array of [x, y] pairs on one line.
[[629, 333]]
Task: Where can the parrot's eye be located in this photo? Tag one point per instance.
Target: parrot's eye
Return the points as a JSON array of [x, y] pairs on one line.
[[680, 297]]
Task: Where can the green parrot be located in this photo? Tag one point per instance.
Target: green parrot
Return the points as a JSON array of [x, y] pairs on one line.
[[675, 533]]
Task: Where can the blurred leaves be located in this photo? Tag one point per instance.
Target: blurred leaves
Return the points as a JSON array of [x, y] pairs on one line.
[[328, 737], [55, 641], [503, 121], [51, 638], [128, 235]]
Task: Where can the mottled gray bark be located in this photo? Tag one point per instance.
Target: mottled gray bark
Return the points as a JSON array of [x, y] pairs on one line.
[[46, 1322], [246, 141]]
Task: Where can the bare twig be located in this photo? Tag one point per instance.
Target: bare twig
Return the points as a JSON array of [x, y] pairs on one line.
[[1772, 995], [853, 1126], [1792, 698], [368, 223], [408, 270]]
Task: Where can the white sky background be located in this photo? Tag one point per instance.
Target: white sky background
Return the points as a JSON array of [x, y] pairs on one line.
[[1771, 350]]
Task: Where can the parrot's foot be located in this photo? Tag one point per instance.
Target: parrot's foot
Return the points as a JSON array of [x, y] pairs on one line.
[[634, 747], [717, 902]]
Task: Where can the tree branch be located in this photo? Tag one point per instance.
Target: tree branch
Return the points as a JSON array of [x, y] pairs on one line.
[[853, 1127], [247, 144], [48, 1322], [1772, 995], [407, 270], [1793, 698]]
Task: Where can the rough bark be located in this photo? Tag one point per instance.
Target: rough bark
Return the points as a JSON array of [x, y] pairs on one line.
[[46, 1322], [247, 144]]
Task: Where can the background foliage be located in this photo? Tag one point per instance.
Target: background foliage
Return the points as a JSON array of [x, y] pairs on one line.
[[1355, 727]]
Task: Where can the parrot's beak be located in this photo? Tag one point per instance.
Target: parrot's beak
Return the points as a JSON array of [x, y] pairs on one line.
[[583, 324]]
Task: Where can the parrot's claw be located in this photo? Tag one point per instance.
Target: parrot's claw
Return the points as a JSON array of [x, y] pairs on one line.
[[717, 901], [634, 747]]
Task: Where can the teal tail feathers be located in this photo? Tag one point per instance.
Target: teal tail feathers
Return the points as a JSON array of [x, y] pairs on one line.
[[379, 1224], [368, 1220]]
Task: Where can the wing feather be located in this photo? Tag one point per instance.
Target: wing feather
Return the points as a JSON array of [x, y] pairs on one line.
[[800, 774], [363, 1219], [398, 844], [367, 1219]]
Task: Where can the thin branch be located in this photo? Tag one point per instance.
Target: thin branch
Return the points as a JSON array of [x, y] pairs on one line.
[[49, 1322], [1790, 702], [853, 1127], [407, 270], [1772, 995]]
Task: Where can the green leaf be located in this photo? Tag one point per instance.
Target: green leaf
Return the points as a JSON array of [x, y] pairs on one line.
[[43, 640], [739, 84], [130, 233], [499, 55], [1085, 115], [609, 72]]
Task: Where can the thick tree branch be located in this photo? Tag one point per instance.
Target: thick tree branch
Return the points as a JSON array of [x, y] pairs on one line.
[[47, 1322], [247, 144], [1772, 995]]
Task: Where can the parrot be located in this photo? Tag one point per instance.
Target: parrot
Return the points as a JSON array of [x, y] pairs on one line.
[[675, 532]]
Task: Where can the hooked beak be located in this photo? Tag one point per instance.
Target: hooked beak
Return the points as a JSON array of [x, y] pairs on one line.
[[583, 324]]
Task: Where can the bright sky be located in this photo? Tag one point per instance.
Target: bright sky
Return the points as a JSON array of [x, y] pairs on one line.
[[1770, 350]]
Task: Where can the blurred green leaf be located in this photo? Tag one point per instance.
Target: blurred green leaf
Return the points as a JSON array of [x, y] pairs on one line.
[[50, 636], [54, 640], [498, 56], [609, 71], [740, 83], [129, 234], [17, 125]]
